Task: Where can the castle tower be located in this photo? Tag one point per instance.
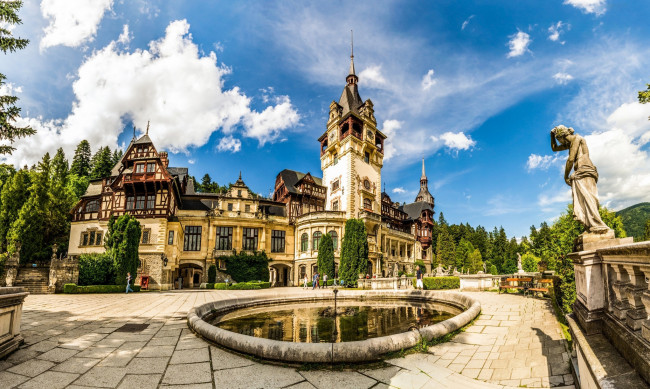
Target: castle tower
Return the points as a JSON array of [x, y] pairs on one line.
[[352, 153], [424, 194]]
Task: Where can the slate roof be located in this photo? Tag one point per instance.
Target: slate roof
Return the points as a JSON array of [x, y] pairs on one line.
[[94, 188], [291, 178], [414, 210], [350, 99], [143, 139], [195, 204]]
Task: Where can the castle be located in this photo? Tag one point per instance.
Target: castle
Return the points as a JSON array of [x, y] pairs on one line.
[[184, 232]]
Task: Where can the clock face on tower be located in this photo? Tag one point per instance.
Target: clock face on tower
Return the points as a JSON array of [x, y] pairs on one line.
[[366, 184], [369, 135]]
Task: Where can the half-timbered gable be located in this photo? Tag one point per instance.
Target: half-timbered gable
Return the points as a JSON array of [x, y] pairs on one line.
[[302, 193]]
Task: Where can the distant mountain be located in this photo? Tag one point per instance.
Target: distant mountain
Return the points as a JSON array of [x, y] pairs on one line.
[[634, 219]]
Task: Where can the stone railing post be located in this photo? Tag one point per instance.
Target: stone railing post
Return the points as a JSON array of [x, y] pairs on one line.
[[636, 315], [645, 299], [621, 304], [11, 266]]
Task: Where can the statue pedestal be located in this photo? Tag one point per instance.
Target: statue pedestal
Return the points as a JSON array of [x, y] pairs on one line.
[[590, 278]]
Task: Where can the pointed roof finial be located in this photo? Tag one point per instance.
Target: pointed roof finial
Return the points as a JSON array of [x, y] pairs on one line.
[[423, 175], [240, 174], [147, 127], [133, 132], [352, 72], [384, 187]]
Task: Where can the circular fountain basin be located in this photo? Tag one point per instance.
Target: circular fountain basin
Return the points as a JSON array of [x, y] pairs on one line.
[[369, 324]]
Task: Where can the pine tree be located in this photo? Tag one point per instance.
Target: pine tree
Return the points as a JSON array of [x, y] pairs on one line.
[[30, 227], [8, 110], [206, 183], [354, 251], [62, 198], [81, 160], [122, 244], [463, 252], [475, 261], [14, 195], [101, 164], [117, 156], [60, 168], [445, 249], [325, 261]]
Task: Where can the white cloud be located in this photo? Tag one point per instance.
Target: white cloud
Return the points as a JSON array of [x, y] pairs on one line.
[[399, 190], [562, 78], [556, 30], [125, 36], [518, 44], [228, 143], [9, 89], [455, 141], [390, 128], [466, 22], [191, 161], [72, 22], [372, 76], [542, 162], [562, 196], [428, 81], [171, 84], [589, 6]]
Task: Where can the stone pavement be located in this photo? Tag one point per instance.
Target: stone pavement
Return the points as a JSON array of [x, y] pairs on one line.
[[77, 341]]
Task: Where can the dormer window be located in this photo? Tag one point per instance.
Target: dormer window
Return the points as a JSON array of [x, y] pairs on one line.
[[239, 193], [139, 168]]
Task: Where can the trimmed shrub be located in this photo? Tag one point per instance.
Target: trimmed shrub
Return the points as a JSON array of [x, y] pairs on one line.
[[96, 269], [242, 286], [209, 285], [220, 286], [74, 289], [435, 283], [212, 274], [245, 267]]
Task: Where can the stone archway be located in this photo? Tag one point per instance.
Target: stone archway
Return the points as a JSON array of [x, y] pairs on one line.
[[191, 274], [280, 275]]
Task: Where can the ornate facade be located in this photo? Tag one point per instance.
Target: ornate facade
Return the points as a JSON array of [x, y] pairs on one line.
[[184, 232]]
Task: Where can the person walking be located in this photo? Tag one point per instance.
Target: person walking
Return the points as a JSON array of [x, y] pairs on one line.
[[325, 280], [304, 282], [128, 281], [314, 281], [418, 275]]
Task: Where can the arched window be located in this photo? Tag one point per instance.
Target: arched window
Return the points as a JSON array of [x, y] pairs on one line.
[[304, 242], [335, 239], [317, 236], [367, 204]]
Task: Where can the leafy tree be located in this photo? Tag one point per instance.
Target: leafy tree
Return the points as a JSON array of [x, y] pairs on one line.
[[646, 235], [13, 196], [463, 251], [529, 262], [644, 96], [475, 261], [30, 227], [101, 164], [325, 260], [122, 244], [493, 270], [81, 160], [8, 110], [77, 185], [354, 251], [96, 269]]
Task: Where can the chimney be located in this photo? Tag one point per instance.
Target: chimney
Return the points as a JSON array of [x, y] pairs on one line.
[[164, 159]]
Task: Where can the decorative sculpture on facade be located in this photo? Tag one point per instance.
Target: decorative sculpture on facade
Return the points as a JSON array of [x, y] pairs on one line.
[[582, 181]]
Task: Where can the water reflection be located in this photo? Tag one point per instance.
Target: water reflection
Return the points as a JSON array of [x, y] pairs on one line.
[[315, 322]]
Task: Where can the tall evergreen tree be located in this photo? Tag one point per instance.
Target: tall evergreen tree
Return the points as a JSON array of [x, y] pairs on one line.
[[446, 248], [354, 252], [59, 170], [325, 261], [122, 244], [463, 251], [117, 156], [9, 112], [206, 183], [62, 198], [101, 164], [30, 227], [81, 160], [14, 195]]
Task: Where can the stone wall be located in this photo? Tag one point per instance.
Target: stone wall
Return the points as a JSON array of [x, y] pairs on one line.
[[63, 271]]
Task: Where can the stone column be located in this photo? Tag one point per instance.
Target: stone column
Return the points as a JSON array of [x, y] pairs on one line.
[[621, 305]]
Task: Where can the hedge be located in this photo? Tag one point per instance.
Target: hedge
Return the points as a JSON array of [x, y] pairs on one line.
[[96, 269], [74, 289], [253, 285], [433, 283]]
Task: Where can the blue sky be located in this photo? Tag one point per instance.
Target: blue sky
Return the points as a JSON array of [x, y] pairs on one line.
[[473, 87]]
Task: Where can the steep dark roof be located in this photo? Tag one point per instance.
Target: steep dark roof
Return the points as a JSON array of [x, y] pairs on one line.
[[291, 178], [143, 139], [94, 188], [414, 210], [195, 204], [350, 99]]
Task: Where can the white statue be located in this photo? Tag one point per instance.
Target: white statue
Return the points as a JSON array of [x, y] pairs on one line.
[[520, 268]]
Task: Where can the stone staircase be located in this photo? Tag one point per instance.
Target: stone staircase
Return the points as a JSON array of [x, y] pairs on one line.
[[34, 279]]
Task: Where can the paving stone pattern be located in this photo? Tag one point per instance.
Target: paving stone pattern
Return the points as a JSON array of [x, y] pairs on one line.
[[71, 342]]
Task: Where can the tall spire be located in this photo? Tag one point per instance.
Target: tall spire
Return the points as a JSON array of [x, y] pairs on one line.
[[352, 76], [423, 175], [147, 127]]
